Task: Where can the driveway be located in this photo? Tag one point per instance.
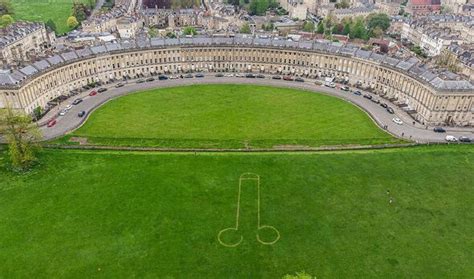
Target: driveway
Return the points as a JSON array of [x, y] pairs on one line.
[[409, 131]]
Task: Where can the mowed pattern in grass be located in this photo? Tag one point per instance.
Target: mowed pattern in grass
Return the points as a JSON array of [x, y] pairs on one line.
[[148, 215], [43, 10], [230, 116]]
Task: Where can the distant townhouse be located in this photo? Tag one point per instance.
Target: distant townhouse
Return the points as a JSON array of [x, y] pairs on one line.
[[22, 40]]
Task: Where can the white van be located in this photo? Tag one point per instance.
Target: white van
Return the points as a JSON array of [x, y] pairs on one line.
[[451, 138]]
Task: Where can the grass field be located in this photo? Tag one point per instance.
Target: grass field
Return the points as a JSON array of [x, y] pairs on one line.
[[43, 10], [230, 116], [121, 214]]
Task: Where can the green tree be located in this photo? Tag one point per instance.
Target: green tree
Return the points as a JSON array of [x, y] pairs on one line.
[[6, 7], [258, 7], [72, 22], [189, 30], [171, 35], [380, 20], [347, 28], [50, 23], [22, 136], [358, 30], [245, 29], [308, 26], [377, 32], [6, 20], [320, 28]]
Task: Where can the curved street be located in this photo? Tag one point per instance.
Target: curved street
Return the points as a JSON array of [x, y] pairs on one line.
[[409, 130]]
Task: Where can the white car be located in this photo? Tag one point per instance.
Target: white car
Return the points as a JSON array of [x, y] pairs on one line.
[[63, 112], [68, 107], [229, 75], [397, 120], [451, 138]]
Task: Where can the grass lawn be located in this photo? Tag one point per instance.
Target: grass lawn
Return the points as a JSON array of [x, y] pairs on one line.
[[230, 116], [123, 214], [43, 10]]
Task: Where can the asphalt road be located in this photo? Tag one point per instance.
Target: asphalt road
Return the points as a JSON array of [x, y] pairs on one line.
[[415, 132]]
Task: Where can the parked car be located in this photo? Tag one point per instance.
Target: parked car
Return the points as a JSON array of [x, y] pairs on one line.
[[219, 75], [375, 101], [77, 101], [93, 93], [63, 112], [390, 110], [330, 84], [101, 90], [357, 93], [367, 96], [68, 107], [450, 138], [162, 77], [188, 76], [397, 120], [260, 76], [81, 114], [51, 123], [464, 139], [319, 83], [384, 105], [276, 77], [250, 76], [289, 78], [439, 130], [229, 75], [299, 79], [150, 79], [140, 81], [199, 75], [119, 85], [345, 88]]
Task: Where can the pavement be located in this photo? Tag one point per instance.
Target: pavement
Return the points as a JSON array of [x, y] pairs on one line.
[[414, 132]]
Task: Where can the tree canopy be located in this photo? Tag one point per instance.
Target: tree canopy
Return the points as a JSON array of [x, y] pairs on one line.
[[72, 22], [22, 136], [189, 30], [245, 28]]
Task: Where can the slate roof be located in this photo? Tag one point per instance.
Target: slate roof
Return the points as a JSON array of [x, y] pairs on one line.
[[411, 66]]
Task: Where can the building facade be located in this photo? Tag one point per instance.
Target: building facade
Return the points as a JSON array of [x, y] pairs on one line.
[[429, 98], [21, 40]]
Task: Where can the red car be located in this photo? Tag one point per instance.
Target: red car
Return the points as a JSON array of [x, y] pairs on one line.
[[288, 78], [51, 123], [93, 93]]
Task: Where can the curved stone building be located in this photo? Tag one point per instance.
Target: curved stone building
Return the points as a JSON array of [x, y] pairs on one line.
[[429, 98]]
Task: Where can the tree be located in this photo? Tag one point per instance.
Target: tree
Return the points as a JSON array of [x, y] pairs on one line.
[[81, 11], [6, 20], [189, 30], [358, 30], [50, 23], [308, 26], [6, 7], [377, 32], [344, 4], [380, 20], [72, 22], [258, 7], [320, 29], [347, 28], [22, 136], [245, 29], [170, 35], [37, 112], [448, 60]]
